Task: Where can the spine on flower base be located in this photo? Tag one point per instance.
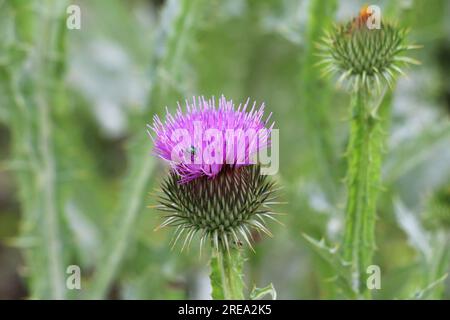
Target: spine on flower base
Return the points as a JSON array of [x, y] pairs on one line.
[[363, 183]]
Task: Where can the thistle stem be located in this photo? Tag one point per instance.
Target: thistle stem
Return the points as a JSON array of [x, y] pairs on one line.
[[363, 180], [34, 85], [226, 275]]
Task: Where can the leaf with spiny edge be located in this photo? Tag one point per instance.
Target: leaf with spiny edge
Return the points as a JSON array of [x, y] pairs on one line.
[[259, 293], [341, 268]]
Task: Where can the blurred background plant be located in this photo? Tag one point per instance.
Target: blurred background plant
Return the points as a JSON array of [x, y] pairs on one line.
[[75, 164]]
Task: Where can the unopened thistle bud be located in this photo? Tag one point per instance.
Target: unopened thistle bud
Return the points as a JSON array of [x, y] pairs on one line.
[[364, 57], [215, 189]]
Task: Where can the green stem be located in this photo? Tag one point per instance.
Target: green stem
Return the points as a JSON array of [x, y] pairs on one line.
[[363, 183], [172, 38], [34, 95], [226, 275], [55, 39], [315, 94]]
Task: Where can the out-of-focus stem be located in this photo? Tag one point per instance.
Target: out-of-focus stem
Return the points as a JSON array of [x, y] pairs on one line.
[[172, 38], [31, 122], [316, 96]]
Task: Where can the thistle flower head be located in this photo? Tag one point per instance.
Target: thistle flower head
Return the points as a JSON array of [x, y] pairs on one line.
[[206, 138], [364, 57], [220, 201]]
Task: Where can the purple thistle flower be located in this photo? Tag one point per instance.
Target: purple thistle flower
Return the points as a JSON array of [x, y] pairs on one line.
[[215, 189], [205, 139]]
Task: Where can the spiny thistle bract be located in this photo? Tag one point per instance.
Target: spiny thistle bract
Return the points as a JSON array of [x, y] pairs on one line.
[[363, 57], [222, 202], [222, 210]]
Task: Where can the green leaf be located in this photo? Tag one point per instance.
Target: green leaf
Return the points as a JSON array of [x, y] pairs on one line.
[[429, 290], [418, 237], [259, 293], [341, 268], [414, 152], [432, 246]]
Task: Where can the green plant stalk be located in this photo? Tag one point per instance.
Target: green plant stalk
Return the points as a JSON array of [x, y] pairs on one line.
[[170, 44], [34, 146], [315, 94], [49, 206], [363, 183], [50, 97], [226, 275]]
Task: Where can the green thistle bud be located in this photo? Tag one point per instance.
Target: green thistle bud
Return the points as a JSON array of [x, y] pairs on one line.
[[222, 210], [363, 57], [437, 212]]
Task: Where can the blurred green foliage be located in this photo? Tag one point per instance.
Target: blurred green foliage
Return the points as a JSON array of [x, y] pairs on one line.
[[75, 161]]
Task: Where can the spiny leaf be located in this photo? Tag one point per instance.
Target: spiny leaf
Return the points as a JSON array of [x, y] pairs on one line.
[[259, 293], [341, 268]]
